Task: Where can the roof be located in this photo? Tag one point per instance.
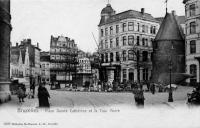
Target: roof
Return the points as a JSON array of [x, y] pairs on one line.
[[184, 1], [108, 9], [129, 14], [180, 19], [169, 29]]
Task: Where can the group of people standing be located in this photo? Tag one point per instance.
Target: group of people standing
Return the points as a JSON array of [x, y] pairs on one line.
[[43, 94]]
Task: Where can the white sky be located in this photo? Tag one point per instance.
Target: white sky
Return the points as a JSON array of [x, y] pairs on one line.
[[77, 19]]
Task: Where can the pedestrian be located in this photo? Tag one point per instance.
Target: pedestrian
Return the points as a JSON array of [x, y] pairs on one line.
[[152, 88], [32, 89], [43, 96], [138, 96], [20, 94]]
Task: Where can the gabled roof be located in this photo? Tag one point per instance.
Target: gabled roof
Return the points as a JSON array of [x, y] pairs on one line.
[[169, 29], [129, 14]]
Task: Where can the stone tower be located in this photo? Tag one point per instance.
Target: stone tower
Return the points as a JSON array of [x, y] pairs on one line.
[[169, 52], [5, 29]]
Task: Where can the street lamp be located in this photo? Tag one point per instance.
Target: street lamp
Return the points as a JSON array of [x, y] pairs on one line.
[[170, 99]]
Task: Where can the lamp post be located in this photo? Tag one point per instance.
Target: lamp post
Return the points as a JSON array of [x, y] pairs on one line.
[[170, 99]]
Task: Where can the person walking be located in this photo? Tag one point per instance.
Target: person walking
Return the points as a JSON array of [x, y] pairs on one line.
[[20, 94], [152, 88], [32, 89], [43, 96]]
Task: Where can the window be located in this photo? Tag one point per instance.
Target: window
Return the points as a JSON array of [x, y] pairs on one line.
[[106, 44], [192, 10], [124, 40], [147, 29], [192, 28], [117, 28], [123, 27], [138, 40], [143, 28], [102, 58], [101, 44], [124, 75], [106, 57], [130, 26], [145, 74], [153, 30], [117, 56], [130, 40], [130, 55], [193, 71], [111, 57], [146, 42], [111, 43], [143, 41], [138, 27], [144, 55], [106, 31], [124, 55], [101, 32], [111, 30], [192, 46], [117, 41]]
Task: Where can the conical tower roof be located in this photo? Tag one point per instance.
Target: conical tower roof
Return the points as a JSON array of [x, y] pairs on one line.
[[169, 29]]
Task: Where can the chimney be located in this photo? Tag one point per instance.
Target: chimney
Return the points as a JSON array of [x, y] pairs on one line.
[[38, 45], [174, 12], [142, 11]]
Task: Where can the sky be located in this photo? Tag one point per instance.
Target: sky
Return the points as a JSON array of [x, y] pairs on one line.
[[76, 19]]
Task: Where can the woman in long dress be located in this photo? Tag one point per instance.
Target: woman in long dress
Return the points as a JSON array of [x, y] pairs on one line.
[[43, 96]]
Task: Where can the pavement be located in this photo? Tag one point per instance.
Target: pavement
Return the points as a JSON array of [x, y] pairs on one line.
[[73, 99]]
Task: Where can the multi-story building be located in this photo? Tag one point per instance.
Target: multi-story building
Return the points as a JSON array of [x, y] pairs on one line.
[[126, 44], [45, 67], [63, 60], [192, 14], [84, 72], [34, 59]]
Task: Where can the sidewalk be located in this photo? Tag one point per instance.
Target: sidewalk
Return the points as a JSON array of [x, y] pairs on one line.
[[15, 102]]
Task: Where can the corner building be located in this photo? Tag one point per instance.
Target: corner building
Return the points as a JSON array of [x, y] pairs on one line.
[[192, 14], [63, 60], [125, 44]]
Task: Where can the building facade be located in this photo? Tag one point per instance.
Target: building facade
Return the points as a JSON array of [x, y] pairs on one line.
[[84, 71], [45, 67], [125, 44], [63, 60], [34, 59], [192, 14]]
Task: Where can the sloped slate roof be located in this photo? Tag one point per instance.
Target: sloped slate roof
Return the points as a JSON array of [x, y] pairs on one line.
[[169, 29], [180, 19], [129, 14]]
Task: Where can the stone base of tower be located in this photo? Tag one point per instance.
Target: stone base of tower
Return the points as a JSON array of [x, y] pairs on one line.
[[5, 94]]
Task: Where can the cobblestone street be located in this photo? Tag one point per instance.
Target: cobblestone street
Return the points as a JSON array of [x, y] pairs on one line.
[[73, 99]]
